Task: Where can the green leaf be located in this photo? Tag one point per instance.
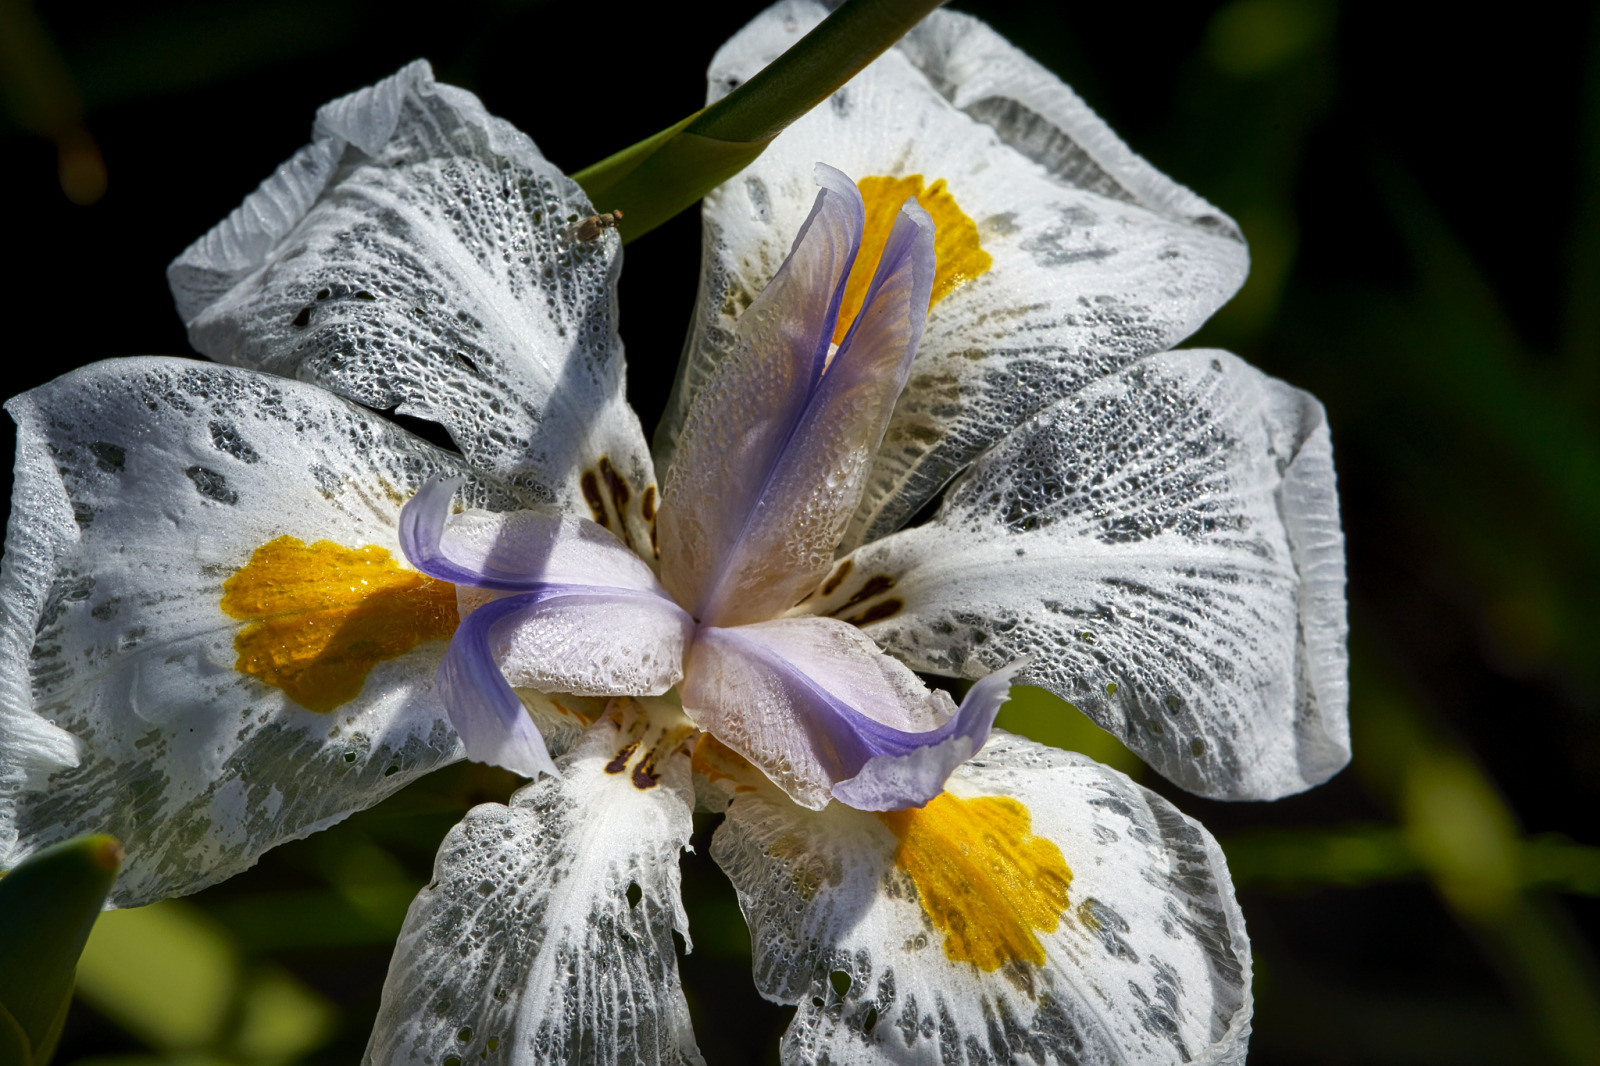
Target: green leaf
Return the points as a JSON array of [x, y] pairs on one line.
[[47, 907], [662, 175], [15, 1048]]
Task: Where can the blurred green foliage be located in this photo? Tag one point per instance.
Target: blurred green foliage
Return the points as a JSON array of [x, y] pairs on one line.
[[175, 977], [48, 905]]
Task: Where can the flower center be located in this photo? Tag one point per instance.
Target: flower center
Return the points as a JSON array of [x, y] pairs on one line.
[[982, 876], [955, 244], [322, 616]]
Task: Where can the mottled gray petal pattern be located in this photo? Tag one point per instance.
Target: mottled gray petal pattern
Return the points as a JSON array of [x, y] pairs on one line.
[[1038, 115], [144, 485], [1147, 963], [1088, 273], [1166, 545], [419, 255], [546, 933]]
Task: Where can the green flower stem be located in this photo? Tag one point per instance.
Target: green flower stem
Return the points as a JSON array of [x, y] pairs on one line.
[[653, 180]]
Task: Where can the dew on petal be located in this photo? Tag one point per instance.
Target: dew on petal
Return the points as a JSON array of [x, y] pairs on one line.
[[321, 616]]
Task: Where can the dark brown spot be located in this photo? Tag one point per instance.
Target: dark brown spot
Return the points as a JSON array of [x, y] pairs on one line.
[[614, 482], [874, 586], [647, 504], [832, 584], [619, 496], [591, 496], [303, 319], [878, 611], [644, 775], [620, 763]]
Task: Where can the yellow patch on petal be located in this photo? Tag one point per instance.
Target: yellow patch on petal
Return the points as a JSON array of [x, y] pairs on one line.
[[322, 616], [955, 242], [982, 876]]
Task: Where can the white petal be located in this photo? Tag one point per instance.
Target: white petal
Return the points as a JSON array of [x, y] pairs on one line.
[[526, 948], [1165, 545], [1147, 963], [1090, 269], [417, 255], [1031, 110], [146, 484], [595, 642], [561, 717], [559, 550]]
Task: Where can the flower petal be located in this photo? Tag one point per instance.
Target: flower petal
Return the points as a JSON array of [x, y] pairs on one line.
[[912, 772], [526, 945], [514, 551], [1097, 259], [825, 714], [1045, 909], [1166, 545], [1033, 112], [564, 639], [145, 485], [494, 726], [774, 452], [417, 255]]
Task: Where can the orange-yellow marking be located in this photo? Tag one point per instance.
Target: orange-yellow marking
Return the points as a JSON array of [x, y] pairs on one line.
[[322, 616], [982, 876], [715, 761], [955, 242]]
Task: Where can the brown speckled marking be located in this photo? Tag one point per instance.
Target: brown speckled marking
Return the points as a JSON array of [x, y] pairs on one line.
[[650, 745], [644, 774], [590, 483], [647, 507], [878, 612], [830, 586], [614, 483], [620, 763], [620, 495], [874, 586]]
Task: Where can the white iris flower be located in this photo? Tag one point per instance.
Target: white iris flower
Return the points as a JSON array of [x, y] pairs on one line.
[[927, 420]]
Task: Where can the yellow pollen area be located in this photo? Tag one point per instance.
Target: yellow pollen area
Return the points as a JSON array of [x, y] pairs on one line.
[[982, 876], [322, 616], [955, 242]]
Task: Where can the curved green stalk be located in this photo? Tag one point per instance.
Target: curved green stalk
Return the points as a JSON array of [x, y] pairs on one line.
[[653, 180]]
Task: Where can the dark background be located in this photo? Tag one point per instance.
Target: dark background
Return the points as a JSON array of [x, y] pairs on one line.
[[1420, 193]]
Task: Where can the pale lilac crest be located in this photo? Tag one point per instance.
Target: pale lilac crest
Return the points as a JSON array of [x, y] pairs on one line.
[[577, 639], [774, 453], [514, 551], [726, 463], [595, 641], [493, 724], [815, 704], [895, 309], [909, 775], [422, 527]]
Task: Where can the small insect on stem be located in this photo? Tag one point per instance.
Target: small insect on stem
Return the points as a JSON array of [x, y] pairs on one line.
[[590, 228]]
